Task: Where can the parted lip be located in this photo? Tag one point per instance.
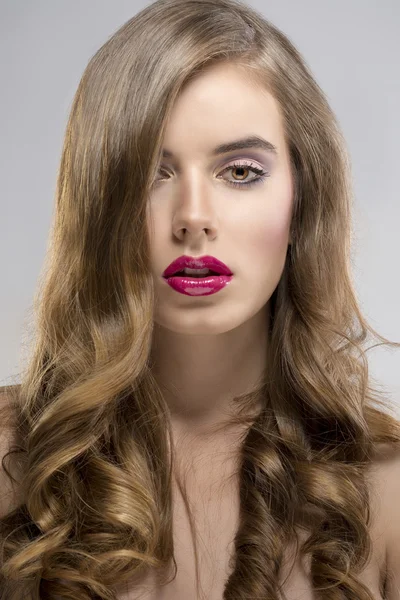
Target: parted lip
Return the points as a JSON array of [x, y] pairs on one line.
[[197, 262]]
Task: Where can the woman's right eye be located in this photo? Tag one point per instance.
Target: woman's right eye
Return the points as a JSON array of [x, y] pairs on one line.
[[163, 171], [160, 171], [158, 179]]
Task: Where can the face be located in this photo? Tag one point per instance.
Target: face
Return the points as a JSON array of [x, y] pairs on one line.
[[235, 206]]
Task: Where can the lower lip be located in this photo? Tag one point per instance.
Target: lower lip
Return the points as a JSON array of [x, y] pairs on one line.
[[199, 286]]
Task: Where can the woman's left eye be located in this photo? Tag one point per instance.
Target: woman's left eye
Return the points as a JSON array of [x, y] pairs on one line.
[[244, 170]]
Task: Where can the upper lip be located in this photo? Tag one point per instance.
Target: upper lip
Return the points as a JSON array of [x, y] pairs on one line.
[[197, 262]]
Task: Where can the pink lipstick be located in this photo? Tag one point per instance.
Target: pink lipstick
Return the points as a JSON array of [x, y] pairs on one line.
[[197, 276]]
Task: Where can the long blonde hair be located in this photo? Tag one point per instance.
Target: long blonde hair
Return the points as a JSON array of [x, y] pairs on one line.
[[91, 426]]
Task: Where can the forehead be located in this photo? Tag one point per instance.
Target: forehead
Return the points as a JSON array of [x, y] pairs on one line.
[[222, 104]]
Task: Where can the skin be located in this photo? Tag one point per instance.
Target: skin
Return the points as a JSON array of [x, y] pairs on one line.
[[208, 349]]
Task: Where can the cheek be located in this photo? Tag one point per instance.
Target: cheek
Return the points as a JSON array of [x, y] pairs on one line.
[[271, 229], [273, 235], [267, 242], [271, 219]]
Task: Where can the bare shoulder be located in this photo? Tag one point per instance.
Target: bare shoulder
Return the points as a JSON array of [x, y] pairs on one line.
[[8, 496], [384, 478]]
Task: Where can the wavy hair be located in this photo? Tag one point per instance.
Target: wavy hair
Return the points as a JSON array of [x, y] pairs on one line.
[[90, 426]]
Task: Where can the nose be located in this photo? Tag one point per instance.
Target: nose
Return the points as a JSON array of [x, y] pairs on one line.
[[195, 213]]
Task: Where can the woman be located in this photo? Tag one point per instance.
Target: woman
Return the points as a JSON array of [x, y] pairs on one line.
[[197, 418]]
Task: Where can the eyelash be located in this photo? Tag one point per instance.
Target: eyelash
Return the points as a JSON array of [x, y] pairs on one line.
[[262, 175]]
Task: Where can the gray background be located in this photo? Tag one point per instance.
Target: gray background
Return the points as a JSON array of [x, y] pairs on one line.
[[353, 49]]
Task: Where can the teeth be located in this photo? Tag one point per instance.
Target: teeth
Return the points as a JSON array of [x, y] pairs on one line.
[[197, 272]]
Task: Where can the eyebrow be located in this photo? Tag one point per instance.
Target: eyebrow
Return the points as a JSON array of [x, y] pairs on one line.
[[253, 141]]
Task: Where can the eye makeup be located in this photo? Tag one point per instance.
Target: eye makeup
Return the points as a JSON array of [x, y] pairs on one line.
[[261, 174]]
